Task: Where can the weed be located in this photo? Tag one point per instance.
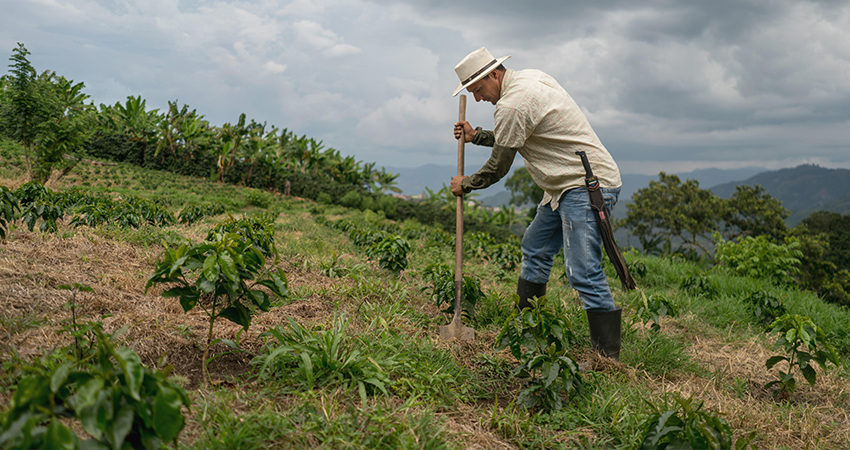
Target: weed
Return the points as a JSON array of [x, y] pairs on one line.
[[320, 358]]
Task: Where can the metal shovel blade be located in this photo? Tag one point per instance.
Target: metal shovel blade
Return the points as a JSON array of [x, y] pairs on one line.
[[456, 329]]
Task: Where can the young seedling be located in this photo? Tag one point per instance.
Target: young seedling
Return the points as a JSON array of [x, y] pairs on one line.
[[803, 342], [214, 276]]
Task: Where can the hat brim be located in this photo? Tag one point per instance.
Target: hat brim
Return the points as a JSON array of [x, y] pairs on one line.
[[462, 86]]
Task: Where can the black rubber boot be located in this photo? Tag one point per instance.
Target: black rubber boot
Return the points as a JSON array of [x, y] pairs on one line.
[[526, 290], [605, 331]]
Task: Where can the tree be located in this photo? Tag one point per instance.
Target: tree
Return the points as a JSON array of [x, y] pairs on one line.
[[522, 188], [669, 210], [46, 113], [21, 109], [66, 125], [752, 211]]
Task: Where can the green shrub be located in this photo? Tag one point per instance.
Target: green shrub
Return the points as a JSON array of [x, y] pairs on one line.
[[539, 338], [258, 198], [803, 342], [324, 198], [367, 203], [215, 275], [698, 285], [653, 308], [351, 200], [689, 427], [442, 289], [389, 206], [391, 253], [8, 206], [765, 307], [759, 258], [119, 402]]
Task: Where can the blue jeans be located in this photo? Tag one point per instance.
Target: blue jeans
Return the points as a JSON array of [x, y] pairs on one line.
[[574, 227]]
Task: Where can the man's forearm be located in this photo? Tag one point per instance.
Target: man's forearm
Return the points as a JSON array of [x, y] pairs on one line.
[[493, 170], [484, 137]]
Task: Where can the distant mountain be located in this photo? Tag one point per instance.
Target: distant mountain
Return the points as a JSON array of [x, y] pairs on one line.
[[802, 190]]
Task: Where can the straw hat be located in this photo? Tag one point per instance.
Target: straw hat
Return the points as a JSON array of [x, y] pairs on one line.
[[475, 66]]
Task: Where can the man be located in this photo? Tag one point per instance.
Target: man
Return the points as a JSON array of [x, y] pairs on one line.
[[537, 118]]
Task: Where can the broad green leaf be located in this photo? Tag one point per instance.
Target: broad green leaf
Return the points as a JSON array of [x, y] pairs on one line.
[[206, 286], [59, 377], [260, 298], [772, 361], [33, 389], [120, 426], [58, 437], [167, 417], [228, 266], [554, 371], [88, 393], [131, 366], [94, 416], [809, 374], [211, 267], [237, 314]]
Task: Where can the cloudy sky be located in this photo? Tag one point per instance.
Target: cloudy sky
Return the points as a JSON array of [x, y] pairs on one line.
[[667, 85]]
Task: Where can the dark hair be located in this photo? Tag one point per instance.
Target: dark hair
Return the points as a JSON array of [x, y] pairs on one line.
[[501, 68]]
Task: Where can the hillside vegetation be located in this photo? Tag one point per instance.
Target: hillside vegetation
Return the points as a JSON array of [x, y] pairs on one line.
[[348, 354], [803, 190]]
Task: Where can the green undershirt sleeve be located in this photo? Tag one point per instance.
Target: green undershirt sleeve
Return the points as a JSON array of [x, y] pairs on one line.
[[495, 168]]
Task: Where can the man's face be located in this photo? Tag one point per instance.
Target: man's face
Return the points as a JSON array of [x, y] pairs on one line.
[[488, 89]]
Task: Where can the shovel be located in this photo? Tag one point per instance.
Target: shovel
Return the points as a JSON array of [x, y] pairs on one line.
[[456, 329]]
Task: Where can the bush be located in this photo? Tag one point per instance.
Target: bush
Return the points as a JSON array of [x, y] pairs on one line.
[[351, 200], [689, 427], [765, 307], [389, 206], [119, 402], [539, 337], [759, 258], [259, 198], [324, 198], [442, 289]]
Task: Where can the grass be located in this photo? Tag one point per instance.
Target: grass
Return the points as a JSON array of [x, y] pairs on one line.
[[439, 395]]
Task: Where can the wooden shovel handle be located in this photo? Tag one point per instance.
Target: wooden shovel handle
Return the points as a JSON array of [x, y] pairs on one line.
[[461, 116]]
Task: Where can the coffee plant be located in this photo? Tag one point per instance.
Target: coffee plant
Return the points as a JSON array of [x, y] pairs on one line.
[[214, 276], [506, 256], [8, 206], [651, 309], [391, 253], [758, 257], [765, 307], [539, 338], [194, 213], [688, 426], [698, 284], [44, 210], [257, 230], [118, 401], [442, 289], [803, 343]]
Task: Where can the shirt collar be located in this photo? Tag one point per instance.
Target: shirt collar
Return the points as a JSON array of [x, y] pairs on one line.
[[507, 79]]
